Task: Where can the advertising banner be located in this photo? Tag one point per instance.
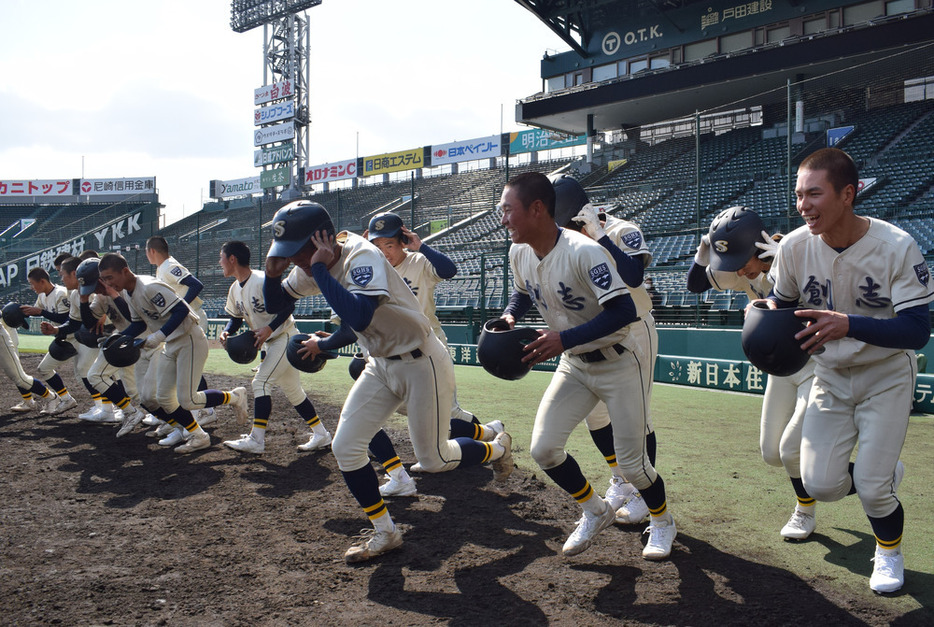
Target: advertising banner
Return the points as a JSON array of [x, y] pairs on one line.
[[393, 162], [140, 185], [236, 187], [538, 139], [268, 93], [268, 155], [274, 113], [43, 187], [470, 150], [270, 134], [336, 171], [276, 177]]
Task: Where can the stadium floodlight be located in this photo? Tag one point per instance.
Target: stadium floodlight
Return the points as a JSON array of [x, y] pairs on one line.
[[247, 14]]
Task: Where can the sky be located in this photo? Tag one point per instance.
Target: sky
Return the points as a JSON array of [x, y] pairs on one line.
[[111, 89]]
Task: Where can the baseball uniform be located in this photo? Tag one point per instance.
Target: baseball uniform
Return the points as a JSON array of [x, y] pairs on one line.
[[172, 273]]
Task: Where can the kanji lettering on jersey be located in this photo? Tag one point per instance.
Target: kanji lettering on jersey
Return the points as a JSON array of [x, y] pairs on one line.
[[871, 297], [574, 303]]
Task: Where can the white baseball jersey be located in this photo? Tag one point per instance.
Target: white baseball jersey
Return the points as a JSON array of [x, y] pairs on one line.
[[570, 285], [245, 301], [152, 302], [421, 277], [103, 305], [398, 325], [756, 288], [628, 237], [878, 276], [171, 272], [55, 301]]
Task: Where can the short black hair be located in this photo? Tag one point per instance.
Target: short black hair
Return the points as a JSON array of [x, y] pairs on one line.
[[112, 261], [532, 186], [38, 274], [158, 244], [70, 265], [239, 250]]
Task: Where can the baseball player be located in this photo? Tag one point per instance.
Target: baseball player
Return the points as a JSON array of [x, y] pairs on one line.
[[169, 389], [48, 367], [422, 268], [29, 387], [573, 282], [52, 304], [245, 303], [626, 244], [736, 254], [187, 286], [868, 289], [407, 362]]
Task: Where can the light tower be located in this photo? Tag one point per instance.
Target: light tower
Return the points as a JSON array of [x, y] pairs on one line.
[[283, 114]]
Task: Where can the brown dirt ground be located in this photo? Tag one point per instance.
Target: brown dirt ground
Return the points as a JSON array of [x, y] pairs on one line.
[[100, 531]]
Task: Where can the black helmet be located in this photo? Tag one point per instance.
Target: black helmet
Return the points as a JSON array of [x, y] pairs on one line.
[[385, 225], [733, 235], [88, 275], [500, 349], [293, 225], [242, 348], [310, 365], [87, 337], [769, 339], [61, 350], [357, 364], [570, 198], [122, 351], [14, 317]]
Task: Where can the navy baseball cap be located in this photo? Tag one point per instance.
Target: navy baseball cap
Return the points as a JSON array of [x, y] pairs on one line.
[[88, 275], [294, 224]]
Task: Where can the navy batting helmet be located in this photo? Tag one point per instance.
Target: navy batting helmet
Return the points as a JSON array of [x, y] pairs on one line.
[[122, 351], [88, 275], [500, 349], [385, 225], [733, 235], [357, 364], [87, 337], [242, 348], [310, 365], [769, 339], [570, 198], [14, 317], [61, 350], [293, 225]]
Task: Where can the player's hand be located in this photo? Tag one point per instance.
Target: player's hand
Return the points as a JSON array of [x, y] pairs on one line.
[[222, 338], [825, 326], [547, 345], [509, 319], [366, 234], [702, 256], [29, 310], [587, 217], [769, 303], [103, 288], [324, 248], [309, 348], [262, 334], [414, 242], [154, 339], [275, 266], [48, 328], [768, 247]]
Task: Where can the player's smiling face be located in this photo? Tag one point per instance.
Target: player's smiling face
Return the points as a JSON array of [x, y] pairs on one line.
[[822, 207], [515, 216]]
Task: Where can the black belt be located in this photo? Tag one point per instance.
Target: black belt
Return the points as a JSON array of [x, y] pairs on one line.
[[597, 354], [415, 355]]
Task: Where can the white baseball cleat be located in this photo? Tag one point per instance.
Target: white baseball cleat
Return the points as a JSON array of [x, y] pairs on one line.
[[800, 525], [246, 444], [51, 408], [316, 442], [661, 537], [374, 543], [129, 422], [888, 572], [95, 414], [240, 404], [618, 491], [406, 487], [25, 405], [633, 511], [151, 421], [587, 529], [161, 431], [496, 427], [503, 466], [64, 404], [198, 440], [177, 436], [206, 416]]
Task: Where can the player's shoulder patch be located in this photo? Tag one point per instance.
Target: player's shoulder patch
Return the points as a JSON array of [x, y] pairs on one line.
[[922, 272], [361, 275], [175, 271], [158, 300], [633, 239], [600, 276]]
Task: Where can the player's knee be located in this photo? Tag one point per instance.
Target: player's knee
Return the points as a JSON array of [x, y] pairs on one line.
[[547, 456], [432, 465], [771, 456], [826, 489], [349, 453], [165, 400]]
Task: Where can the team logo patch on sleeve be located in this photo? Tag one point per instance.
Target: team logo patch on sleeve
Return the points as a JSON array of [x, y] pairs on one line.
[[923, 273], [176, 271], [600, 276], [633, 239], [362, 275], [158, 300]]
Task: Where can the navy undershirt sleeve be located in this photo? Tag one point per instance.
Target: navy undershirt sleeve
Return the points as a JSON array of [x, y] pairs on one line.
[[697, 279], [122, 307], [275, 296], [617, 313], [519, 305], [179, 312], [233, 325], [135, 328], [354, 309], [910, 329], [87, 316], [55, 317], [443, 264], [68, 328], [194, 287], [344, 336], [631, 269]]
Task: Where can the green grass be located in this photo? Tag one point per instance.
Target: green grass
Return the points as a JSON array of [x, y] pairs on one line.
[[719, 489]]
